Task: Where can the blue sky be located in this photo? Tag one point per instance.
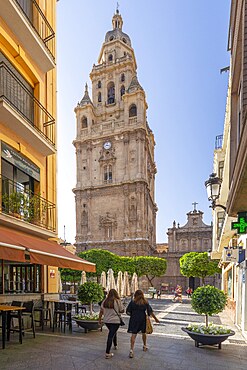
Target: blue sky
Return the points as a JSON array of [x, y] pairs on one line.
[[180, 47]]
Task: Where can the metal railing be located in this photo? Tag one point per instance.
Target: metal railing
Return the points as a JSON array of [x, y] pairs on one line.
[[39, 22], [23, 101], [26, 205], [218, 141]]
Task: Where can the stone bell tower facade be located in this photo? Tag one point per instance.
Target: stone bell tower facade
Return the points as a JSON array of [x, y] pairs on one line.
[[114, 193]]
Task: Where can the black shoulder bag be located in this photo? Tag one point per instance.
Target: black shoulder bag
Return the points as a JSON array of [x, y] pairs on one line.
[[122, 323]]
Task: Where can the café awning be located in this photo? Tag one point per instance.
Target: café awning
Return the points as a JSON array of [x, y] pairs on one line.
[[14, 244]]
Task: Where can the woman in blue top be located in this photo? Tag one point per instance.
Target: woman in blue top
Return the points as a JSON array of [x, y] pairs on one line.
[[137, 309]]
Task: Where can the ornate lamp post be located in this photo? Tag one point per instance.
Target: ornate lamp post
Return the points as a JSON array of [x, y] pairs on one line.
[[213, 185]]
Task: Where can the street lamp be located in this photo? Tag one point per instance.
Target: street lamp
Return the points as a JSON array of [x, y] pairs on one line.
[[213, 185]]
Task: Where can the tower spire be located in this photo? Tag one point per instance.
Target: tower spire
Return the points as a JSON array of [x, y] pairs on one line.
[[117, 8]]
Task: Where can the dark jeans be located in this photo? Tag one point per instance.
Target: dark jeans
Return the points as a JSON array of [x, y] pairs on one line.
[[112, 336]]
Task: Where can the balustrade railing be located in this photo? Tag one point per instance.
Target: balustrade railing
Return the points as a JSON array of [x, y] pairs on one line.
[[26, 205], [39, 22], [23, 101]]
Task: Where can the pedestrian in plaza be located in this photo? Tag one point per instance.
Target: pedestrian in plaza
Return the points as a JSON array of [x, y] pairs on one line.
[[189, 291], [111, 309], [158, 294], [178, 294], [137, 310]]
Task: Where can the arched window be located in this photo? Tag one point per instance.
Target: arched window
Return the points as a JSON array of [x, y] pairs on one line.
[[108, 174], [99, 97], [124, 40], [110, 58], [111, 93], [133, 111], [99, 84], [122, 90], [111, 38], [122, 77], [84, 122]]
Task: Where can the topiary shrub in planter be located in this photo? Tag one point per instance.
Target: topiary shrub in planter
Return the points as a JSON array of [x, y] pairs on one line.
[[89, 293], [208, 300]]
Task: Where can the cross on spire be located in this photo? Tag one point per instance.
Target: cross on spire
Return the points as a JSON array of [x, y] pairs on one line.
[[117, 10], [194, 204]]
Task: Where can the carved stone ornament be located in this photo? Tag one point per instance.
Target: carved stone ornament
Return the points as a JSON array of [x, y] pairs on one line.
[[107, 155], [108, 220]]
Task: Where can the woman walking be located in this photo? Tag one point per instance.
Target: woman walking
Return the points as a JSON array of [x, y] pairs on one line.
[[137, 309], [111, 308]]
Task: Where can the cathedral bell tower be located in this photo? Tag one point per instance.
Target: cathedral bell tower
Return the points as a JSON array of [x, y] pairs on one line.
[[114, 193]]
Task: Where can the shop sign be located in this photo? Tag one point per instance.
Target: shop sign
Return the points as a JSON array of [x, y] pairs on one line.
[[19, 161], [52, 274], [234, 254], [241, 224]]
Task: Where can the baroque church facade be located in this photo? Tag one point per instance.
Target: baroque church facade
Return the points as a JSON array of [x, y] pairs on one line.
[[114, 193], [194, 236]]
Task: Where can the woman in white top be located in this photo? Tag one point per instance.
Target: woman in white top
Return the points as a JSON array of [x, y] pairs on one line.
[[110, 309]]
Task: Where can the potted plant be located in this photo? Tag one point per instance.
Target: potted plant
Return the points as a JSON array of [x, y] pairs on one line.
[[89, 293], [208, 300], [13, 203]]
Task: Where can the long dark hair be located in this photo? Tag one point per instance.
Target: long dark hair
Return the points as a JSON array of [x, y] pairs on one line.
[[139, 297], [111, 297]]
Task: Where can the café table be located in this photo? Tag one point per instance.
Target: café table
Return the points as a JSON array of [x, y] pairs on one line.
[[6, 309]]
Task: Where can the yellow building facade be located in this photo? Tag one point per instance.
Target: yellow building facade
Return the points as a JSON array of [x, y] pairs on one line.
[[28, 136]]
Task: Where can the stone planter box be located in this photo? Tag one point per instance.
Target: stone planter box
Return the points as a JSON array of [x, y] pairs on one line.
[[207, 339], [88, 325]]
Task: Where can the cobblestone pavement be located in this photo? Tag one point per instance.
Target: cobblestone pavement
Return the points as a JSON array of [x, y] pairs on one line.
[[169, 346]]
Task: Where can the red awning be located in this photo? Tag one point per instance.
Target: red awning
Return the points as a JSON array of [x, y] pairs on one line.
[[42, 251], [12, 252]]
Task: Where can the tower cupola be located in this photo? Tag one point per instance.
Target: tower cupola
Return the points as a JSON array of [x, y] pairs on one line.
[[117, 33]]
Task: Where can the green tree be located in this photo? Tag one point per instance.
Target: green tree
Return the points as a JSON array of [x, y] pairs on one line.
[[198, 264], [208, 300], [72, 276], [105, 260], [150, 267], [89, 293]]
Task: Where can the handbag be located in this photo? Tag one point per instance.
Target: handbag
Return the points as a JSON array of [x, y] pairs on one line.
[[149, 327], [122, 323]]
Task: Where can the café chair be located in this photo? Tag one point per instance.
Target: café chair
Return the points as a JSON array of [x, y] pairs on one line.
[[44, 312], [28, 312], [62, 315]]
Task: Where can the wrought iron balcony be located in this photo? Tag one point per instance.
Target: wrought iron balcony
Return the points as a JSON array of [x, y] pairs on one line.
[[13, 91], [26, 205], [39, 22], [218, 141]]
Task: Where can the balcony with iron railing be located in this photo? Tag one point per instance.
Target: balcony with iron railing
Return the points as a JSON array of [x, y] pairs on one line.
[[18, 105], [28, 22], [25, 205], [218, 142]]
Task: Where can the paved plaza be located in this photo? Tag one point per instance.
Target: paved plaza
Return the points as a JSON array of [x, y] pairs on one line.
[[169, 346]]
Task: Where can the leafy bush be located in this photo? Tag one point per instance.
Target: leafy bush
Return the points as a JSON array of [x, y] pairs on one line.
[[208, 300], [89, 293]]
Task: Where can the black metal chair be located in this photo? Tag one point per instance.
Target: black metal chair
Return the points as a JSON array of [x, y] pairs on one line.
[[44, 311], [62, 315], [28, 312]]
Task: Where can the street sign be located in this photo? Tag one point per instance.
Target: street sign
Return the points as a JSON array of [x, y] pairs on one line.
[[234, 254]]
